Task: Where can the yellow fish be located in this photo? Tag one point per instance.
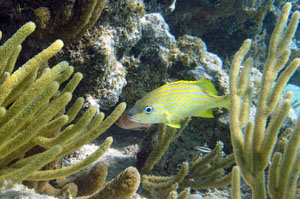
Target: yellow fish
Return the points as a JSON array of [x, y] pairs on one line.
[[173, 102]]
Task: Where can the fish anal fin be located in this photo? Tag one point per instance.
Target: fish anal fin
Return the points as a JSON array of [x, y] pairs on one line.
[[207, 114], [177, 126]]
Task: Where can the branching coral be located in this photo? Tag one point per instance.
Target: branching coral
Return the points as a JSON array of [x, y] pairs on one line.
[[166, 136], [91, 185], [208, 171], [223, 24], [64, 19], [74, 18], [122, 187], [254, 141], [204, 172], [32, 116]]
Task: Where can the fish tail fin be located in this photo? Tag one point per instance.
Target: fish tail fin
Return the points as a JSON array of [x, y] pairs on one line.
[[226, 102]]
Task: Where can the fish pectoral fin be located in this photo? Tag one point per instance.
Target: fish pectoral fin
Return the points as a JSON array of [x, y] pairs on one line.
[[207, 114], [173, 120]]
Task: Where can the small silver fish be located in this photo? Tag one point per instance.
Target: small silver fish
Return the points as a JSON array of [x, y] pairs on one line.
[[203, 149], [173, 102]]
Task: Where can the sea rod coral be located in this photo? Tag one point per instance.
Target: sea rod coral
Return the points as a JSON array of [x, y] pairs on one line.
[[34, 130], [253, 141], [205, 171]]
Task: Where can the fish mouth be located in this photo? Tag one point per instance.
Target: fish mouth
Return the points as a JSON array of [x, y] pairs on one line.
[[125, 123], [135, 119]]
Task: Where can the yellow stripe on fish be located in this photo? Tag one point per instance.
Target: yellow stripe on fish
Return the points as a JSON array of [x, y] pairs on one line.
[[173, 102]]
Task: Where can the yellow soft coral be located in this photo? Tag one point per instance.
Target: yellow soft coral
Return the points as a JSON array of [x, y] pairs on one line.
[[32, 116]]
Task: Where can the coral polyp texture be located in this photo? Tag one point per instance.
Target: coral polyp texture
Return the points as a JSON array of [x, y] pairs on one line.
[[35, 131]]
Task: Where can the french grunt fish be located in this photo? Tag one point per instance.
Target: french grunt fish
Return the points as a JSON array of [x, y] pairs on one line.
[[174, 102]]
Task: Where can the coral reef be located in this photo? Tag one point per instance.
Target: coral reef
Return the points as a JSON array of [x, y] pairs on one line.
[[98, 56], [92, 185], [35, 131], [203, 172], [158, 58], [122, 187], [279, 58], [165, 137], [222, 24], [90, 182], [67, 19], [254, 140], [130, 53]]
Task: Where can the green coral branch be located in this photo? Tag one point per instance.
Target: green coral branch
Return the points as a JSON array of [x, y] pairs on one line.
[[208, 171], [284, 172], [22, 173], [49, 76], [254, 141], [202, 161], [68, 132], [184, 194], [166, 136], [34, 131], [162, 182], [54, 125], [34, 126], [81, 19], [121, 187], [12, 44], [74, 110], [216, 180], [8, 68], [66, 171], [96, 128], [17, 77], [72, 84], [235, 185], [204, 172], [16, 123]]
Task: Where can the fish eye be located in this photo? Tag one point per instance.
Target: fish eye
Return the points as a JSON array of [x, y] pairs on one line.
[[148, 109]]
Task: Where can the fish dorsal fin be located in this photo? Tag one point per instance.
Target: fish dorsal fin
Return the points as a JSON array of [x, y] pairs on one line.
[[206, 85], [206, 114]]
